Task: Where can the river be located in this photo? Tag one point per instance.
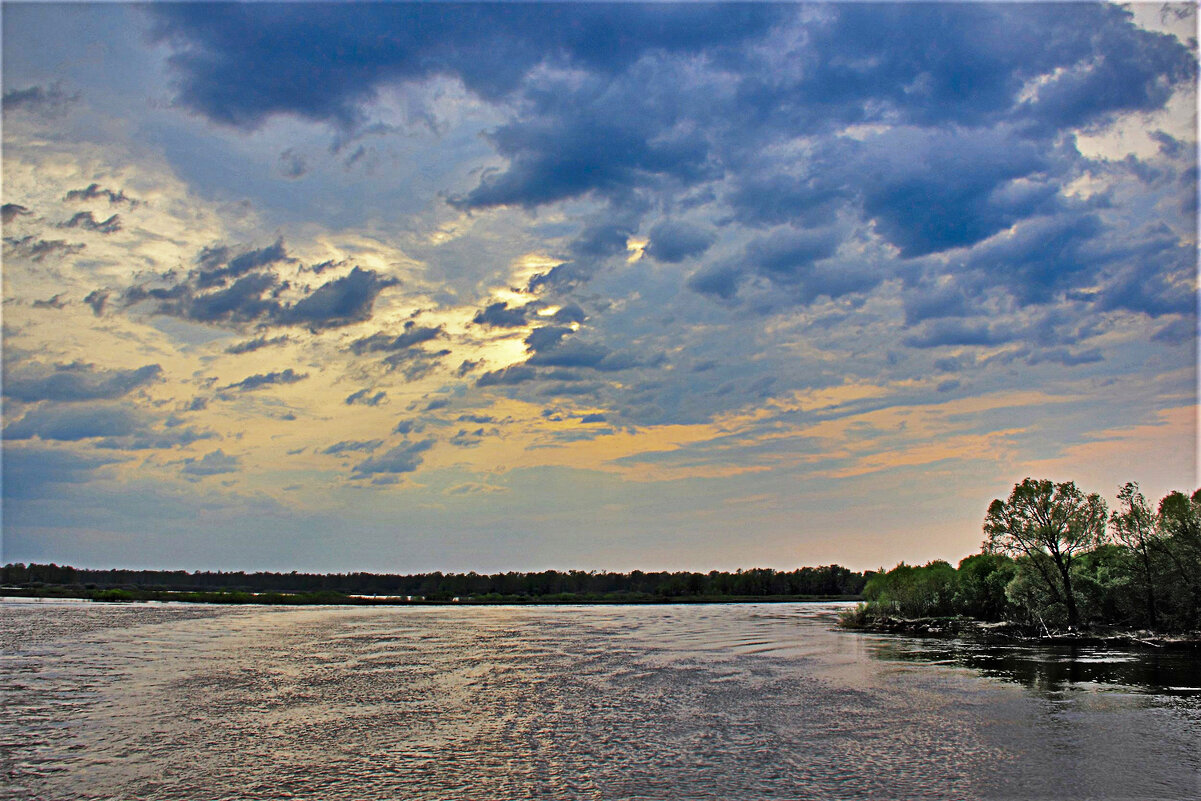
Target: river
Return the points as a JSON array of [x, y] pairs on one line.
[[739, 702]]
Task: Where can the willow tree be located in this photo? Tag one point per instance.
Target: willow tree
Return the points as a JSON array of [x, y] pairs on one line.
[[1049, 524]]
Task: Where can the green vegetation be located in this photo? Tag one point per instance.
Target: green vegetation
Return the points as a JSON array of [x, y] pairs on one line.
[[550, 586], [1053, 558]]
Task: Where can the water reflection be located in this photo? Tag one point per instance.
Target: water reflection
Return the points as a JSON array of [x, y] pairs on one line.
[[1054, 668], [162, 703]]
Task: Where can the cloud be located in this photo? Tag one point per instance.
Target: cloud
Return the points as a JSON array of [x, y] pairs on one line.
[[55, 302], [292, 165], [940, 333], [95, 191], [404, 458], [415, 363], [261, 380], [499, 315], [39, 249], [1064, 356], [252, 345], [592, 356], [72, 423], [87, 222], [412, 335], [364, 398], [1177, 332], [675, 241], [546, 338], [720, 280], [241, 65], [345, 300], [214, 463], [97, 299], [467, 439], [35, 471], [210, 274], [32, 382], [255, 294], [11, 211], [50, 101], [352, 446], [474, 488], [507, 376], [112, 426]]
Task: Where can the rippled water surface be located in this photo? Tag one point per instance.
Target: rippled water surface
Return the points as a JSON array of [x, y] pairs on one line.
[[163, 701]]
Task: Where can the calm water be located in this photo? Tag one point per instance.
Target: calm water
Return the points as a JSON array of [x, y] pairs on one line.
[[653, 702]]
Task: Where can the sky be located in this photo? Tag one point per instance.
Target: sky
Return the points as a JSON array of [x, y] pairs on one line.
[[416, 287]]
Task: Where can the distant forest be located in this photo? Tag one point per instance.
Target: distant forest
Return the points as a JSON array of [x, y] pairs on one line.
[[553, 585]]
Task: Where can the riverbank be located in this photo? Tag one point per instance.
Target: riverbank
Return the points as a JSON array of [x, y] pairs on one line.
[[1010, 632], [139, 595]]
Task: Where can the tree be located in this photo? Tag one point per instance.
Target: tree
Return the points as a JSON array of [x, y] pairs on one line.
[[1179, 524], [1134, 527], [1049, 524]]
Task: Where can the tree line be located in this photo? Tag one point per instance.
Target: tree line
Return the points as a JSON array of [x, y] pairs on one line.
[[825, 581], [1054, 557]]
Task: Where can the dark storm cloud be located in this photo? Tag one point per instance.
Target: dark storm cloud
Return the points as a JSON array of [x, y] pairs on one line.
[[32, 382], [404, 458], [95, 191], [252, 345], [11, 211], [260, 380], [963, 120], [87, 222], [241, 64], [559, 158], [676, 241]]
